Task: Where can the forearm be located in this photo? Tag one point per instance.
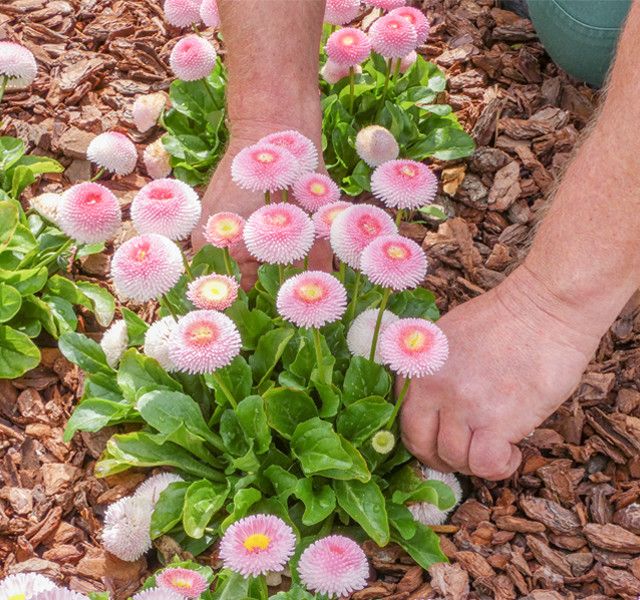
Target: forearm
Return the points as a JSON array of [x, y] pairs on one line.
[[587, 250]]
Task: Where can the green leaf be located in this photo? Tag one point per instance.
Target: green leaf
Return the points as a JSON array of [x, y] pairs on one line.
[[231, 586], [363, 379], [423, 547], [102, 385], [62, 313], [11, 150], [211, 260], [26, 281], [236, 377], [284, 482], [295, 593], [268, 352], [252, 324], [9, 218], [10, 302], [407, 485], [363, 418], [233, 437], [253, 420], [136, 327], [243, 500], [401, 519], [418, 303], [319, 503], [167, 512], [202, 501], [103, 304], [138, 371], [365, 504], [287, 408], [93, 414], [18, 354], [319, 448], [84, 352]]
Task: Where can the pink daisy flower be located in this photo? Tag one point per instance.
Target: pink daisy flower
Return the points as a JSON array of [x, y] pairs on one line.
[[360, 335], [147, 110], [394, 262], [59, 594], [429, 514], [414, 347], [376, 145], [89, 213], [24, 586], [312, 299], [157, 593], [332, 72], [168, 207], [386, 4], [393, 36], [192, 58], [18, 64], [323, 218], [404, 184], [355, 228], [299, 145], [257, 544], [224, 229], [314, 190], [408, 61], [113, 152], [157, 160], [182, 13], [146, 267], [209, 13], [348, 47], [264, 167], [340, 12], [213, 292], [186, 582], [279, 234], [417, 18], [204, 341], [335, 566]]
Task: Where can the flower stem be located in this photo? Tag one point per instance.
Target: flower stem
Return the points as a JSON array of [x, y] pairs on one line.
[[396, 70], [227, 261], [281, 274], [399, 401], [285, 195], [225, 390], [386, 80], [352, 85], [376, 331], [267, 197], [164, 302], [342, 272], [55, 255], [306, 262], [97, 176], [354, 300], [187, 267], [318, 346], [210, 92], [399, 216], [3, 85]]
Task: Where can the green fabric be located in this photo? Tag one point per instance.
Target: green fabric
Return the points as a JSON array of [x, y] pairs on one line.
[[580, 35]]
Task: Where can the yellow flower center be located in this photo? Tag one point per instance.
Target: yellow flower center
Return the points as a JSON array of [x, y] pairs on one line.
[[257, 541], [348, 40], [181, 583], [397, 252], [310, 292], [141, 254], [18, 597], [415, 340], [265, 157], [318, 188], [226, 227], [408, 171], [201, 334], [214, 289]]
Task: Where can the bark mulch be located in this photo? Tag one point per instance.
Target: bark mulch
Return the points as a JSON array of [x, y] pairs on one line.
[[566, 526]]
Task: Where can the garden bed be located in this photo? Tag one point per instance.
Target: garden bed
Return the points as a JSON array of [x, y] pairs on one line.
[[565, 526]]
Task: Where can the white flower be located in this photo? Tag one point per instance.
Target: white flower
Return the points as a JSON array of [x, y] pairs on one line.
[[48, 205], [147, 110], [157, 160], [157, 342], [429, 514], [114, 342], [360, 335], [126, 528], [151, 489], [24, 586]]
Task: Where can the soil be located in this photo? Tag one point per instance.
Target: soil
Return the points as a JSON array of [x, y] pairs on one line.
[[565, 526]]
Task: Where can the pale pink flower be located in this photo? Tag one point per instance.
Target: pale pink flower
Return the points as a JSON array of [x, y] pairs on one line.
[[404, 184], [224, 229], [279, 234], [348, 47], [157, 341], [394, 262], [386, 4], [360, 335], [213, 292], [157, 594], [182, 13], [47, 205], [314, 190], [126, 528], [406, 62], [114, 342], [168, 207], [113, 152], [417, 18], [323, 218], [204, 341], [299, 145], [257, 544], [157, 160], [192, 58], [340, 12], [146, 267], [18, 64], [334, 566], [147, 110], [186, 582], [265, 167], [355, 228], [376, 145], [209, 13], [332, 72], [312, 299], [393, 36], [414, 347], [429, 514], [24, 586], [59, 594], [89, 213]]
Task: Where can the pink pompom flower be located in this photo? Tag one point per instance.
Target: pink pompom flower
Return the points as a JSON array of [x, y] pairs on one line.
[[376, 145], [157, 160], [414, 347], [393, 36], [279, 234], [404, 184], [417, 18], [332, 72], [147, 109], [394, 262], [166, 206], [340, 12], [224, 229], [186, 582], [324, 217], [17, 64], [213, 292], [113, 152], [302, 148], [59, 594], [314, 190], [182, 13], [312, 299], [146, 267], [355, 228], [264, 167], [257, 544], [334, 566], [157, 593], [406, 62], [348, 47], [386, 4], [360, 335], [209, 13], [89, 213], [192, 58], [204, 341]]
